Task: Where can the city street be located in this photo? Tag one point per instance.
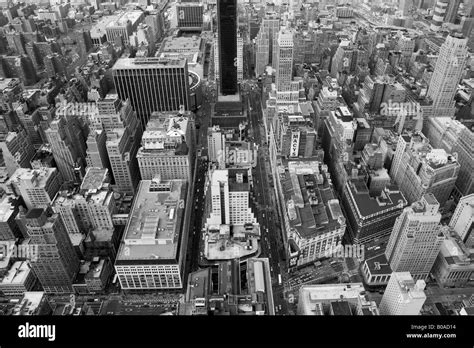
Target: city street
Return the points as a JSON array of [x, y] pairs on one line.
[[263, 193]]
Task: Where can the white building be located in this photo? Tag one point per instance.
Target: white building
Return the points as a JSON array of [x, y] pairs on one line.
[[449, 68], [284, 59], [403, 296], [216, 146], [19, 279], [462, 221], [416, 238], [153, 249], [230, 198], [37, 187]]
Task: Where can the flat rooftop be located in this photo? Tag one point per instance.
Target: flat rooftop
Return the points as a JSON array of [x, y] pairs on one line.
[[378, 265], [367, 205], [94, 179], [148, 63], [122, 19], [36, 177], [17, 274], [154, 225], [309, 295]]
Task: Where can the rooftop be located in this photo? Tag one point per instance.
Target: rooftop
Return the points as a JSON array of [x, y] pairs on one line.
[[148, 63], [94, 179], [17, 274], [35, 177], [153, 229], [310, 198], [378, 265], [390, 198], [310, 295]]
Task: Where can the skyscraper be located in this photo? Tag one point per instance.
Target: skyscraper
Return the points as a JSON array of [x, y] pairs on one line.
[[122, 149], [37, 187], [418, 168], [153, 84], [227, 40], [284, 60], [447, 73], [57, 262], [439, 14], [403, 296], [416, 238], [462, 220], [267, 42]]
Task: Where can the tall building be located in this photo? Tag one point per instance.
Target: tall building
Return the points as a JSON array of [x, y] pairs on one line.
[[188, 16], [266, 42], [371, 217], [37, 187], [97, 151], [454, 137], [153, 248], [62, 137], [417, 169], [167, 148], [403, 296], [227, 46], [240, 57], [416, 238], [216, 146], [335, 299], [439, 14], [230, 198], [57, 262], [17, 150], [89, 206], [447, 74], [153, 84], [113, 113], [462, 221], [284, 60], [122, 148]]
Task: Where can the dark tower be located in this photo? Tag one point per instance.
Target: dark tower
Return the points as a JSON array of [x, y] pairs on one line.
[[227, 29]]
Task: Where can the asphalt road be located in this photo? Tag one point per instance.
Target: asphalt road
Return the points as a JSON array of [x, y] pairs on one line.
[[263, 193]]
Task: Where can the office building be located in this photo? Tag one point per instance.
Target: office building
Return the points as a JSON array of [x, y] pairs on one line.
[[403, 296], [266, 42], [371, 217], [439, 14], [284, 60], [416, 238], [18, 280], [63, 136], [167, 148], [454, 265], [230, 198], [153, 249], [89, 206], [447, 73], [227, 46], [188, 16], [454, 137], [57, 262], [8, 211], [462, 221], [123, 25], [216, 146], [122, 148], [335, 299], [418, 168], [152, 84], [17, 150], [37, 187]]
